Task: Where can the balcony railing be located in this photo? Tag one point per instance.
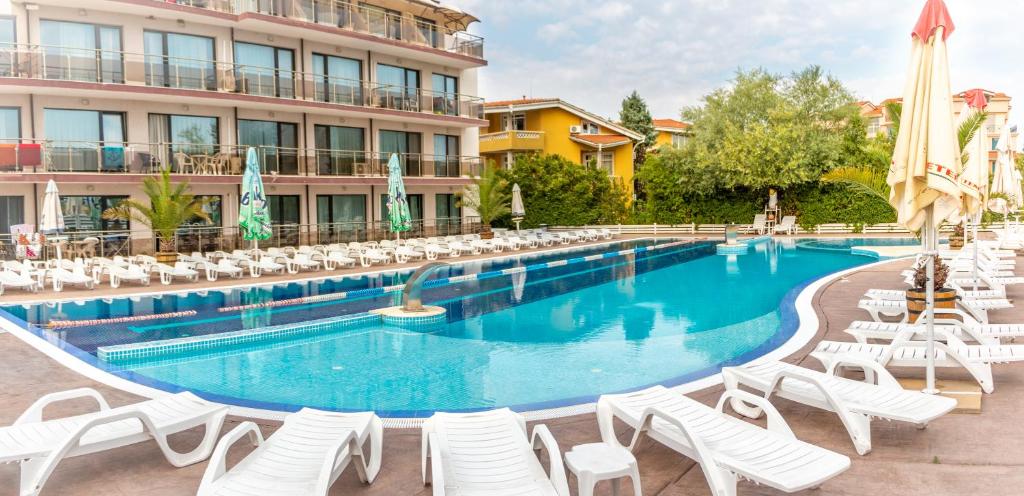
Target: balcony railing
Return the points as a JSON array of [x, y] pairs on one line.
[[511, 141], [202, 159], [115, 67], [363, 19]]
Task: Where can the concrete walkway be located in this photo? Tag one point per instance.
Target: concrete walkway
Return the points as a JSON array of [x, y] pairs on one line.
[[957, 455]]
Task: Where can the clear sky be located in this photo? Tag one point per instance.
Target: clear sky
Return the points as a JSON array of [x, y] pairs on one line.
[[594, 52]]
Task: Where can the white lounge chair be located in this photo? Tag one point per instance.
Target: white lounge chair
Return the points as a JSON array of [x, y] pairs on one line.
[[68, 272], [130, 272], [961, 324], [898, 308], [856, 403], [302, 458], [903, 351], [301, 261], [179, 269], [462, 248], [760, 224], [39, 445], [370, 256], [607, 233], [489, 454], [726, 448], [214, 270], [405, 253], [338, 258], [21, 280], [787, 225], [483, 246]]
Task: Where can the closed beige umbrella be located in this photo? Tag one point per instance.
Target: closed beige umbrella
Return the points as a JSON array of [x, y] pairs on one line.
[[974, 177], [924, 176]]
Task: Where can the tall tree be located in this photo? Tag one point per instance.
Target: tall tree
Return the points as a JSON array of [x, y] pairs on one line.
[[636, 117]]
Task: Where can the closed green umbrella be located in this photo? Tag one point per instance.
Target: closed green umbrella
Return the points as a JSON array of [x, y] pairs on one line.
[[253, 217], [399, 218]]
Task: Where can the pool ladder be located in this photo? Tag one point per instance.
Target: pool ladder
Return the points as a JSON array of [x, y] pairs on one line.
[[411, 301]]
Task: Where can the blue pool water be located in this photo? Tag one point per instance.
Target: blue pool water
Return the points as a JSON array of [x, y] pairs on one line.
[[546, 337]]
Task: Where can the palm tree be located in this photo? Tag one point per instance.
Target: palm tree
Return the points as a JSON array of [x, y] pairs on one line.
[[170, 206], [872, 180], [487, 196]]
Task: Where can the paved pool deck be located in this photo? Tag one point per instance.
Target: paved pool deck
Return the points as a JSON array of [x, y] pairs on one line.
[[959, 454]]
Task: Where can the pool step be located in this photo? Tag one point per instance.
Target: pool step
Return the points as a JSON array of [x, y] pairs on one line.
[[150, 349]]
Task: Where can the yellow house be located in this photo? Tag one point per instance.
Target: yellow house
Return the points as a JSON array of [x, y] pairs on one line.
[[552, 126], [671, 133]]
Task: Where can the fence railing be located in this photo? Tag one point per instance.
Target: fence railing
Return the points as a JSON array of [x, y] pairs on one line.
[[206, 159], [365, 19], [211, 238], [117, 67], [702, 229]]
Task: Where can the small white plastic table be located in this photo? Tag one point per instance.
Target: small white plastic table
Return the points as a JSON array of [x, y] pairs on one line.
[[593, 463]]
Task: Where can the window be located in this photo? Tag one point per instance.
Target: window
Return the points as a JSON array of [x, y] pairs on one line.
[[383, 22], [10, 126], [448, 213], [589, 128], [85, 213], [679, 141], [264, 70], [446, 155], [445, 97], [406, 145], [81, 52], [398, 87], [188, 134], [604, 161], [338, 79], [77, 139], [513, 122], [428, 33], [12, 212], [340, 150], [284, 209], [995, 143], [341, 209], [8, 40], [278, 142], [213, 208], [179, 61]]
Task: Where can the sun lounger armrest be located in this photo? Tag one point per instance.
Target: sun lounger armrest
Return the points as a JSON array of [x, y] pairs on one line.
[[34, 413], [432, 454], [775, 421], [702, 455], [219, 459], [330, 464], [542, 438], [882, 376]]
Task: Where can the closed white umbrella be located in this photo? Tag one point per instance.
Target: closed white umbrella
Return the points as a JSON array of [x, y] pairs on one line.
[[974, 177], [1004, 181], [518, 209], [926, 159], [51, 219]]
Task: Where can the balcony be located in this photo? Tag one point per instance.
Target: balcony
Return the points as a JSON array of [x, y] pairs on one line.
[[206, 160], [216, 79], [359, 19], [511, 141]]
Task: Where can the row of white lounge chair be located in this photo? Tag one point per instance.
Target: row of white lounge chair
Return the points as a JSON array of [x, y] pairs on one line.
[[32, 276], [489, 453]]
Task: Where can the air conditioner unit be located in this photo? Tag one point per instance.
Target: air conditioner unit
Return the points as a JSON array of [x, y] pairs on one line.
[[575, 129]]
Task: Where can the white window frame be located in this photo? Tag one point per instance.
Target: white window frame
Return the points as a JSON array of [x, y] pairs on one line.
[[679, 141], [510, 124], [588, 127], [604, 160]]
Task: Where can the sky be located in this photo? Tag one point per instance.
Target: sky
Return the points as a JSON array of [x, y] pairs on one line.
[[593, 53]]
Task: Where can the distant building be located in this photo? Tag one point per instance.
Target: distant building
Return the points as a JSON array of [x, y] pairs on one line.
[[671, 133], [998, 108], [553, 126]]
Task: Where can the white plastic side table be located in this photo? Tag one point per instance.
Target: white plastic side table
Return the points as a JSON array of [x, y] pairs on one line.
[[593, 463]]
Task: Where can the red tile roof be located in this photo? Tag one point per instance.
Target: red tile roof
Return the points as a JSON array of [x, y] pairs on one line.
[[671, 123]]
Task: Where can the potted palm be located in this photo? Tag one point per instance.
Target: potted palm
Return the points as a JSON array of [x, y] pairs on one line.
[[170, 206], [488, 198], [917, 296], [956, 240]]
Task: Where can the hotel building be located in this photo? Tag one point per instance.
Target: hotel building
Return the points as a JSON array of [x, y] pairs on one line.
[[99, 94]]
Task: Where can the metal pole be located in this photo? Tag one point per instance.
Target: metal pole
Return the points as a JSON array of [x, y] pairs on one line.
[[974, 229], [931, 253]]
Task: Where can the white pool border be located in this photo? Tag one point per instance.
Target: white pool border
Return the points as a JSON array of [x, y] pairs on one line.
[[807, 329]]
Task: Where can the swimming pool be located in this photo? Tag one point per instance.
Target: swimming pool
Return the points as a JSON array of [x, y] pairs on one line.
[[563, 329]]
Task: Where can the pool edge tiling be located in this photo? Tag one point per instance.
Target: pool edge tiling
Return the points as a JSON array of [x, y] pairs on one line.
[[790, 321]]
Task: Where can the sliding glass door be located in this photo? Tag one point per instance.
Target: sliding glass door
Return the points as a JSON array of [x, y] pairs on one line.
[[445, 96], [264, 70], [446, 155], [340, 151], [8, 42], [277, 144], [398, 88], [179, 61], [407, 146], [338, 79], [76, 139], [77, 51]]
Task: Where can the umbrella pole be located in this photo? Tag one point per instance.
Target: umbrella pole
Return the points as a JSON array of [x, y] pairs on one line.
[[930, 253], [974, 230]]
